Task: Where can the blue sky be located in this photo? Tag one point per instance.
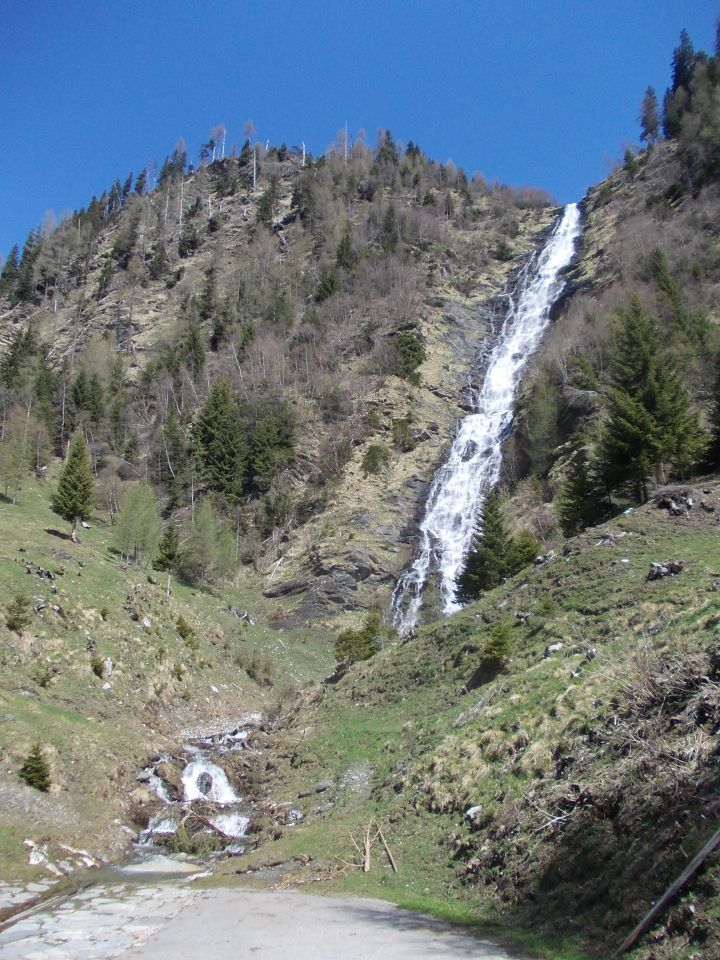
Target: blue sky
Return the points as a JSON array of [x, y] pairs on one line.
[[539, 92]]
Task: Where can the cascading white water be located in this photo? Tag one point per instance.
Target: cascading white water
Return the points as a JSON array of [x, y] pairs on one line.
[[473, 465], [203, 780]]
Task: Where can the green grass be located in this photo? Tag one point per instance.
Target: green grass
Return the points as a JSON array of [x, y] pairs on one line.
[[436, 748], [50, 692]]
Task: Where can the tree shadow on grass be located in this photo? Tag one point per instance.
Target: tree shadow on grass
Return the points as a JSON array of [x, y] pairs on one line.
[[59, 534]]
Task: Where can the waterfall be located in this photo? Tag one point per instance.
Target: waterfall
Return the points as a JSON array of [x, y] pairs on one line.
[[473, 465]]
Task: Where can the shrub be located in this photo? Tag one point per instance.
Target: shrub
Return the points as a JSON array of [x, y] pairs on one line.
[[354, 645], [17, 613], [377, 457], [402, 435], [408, 354], [496, 650]]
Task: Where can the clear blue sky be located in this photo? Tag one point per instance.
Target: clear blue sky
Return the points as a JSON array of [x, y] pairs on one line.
[[540, 92]]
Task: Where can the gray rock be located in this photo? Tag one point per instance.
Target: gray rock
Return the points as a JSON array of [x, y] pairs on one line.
[[286, 589]]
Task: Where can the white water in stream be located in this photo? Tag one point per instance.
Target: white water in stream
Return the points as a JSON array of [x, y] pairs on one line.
[[473, 465]]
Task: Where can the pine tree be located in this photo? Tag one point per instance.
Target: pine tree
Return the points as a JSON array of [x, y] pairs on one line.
[[35, 771], [712, 454], [683, 61], [74, 498], [650, 425], [346, 258], [13, 463], [582, 500], [218, 442], [271, 443], [208, 552], [487, 563], [495, 553], [25, 286], [649, 117], [9, 274], [168, 548], [17, 613]]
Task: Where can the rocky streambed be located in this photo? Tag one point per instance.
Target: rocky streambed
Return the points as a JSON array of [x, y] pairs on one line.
[[207, 798]]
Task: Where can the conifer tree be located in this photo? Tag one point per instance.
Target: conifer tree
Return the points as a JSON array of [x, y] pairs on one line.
[[35, 771], [649, 117], [271, 443], [650, 425], [17, 613], [73, 500], [712, 454], [582, 500], [9, 274], [495, 553], [346, 258], [218, 442], [168, 548], [207, 554]]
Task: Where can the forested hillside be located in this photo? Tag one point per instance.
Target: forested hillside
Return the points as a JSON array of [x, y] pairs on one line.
[[247, 335]]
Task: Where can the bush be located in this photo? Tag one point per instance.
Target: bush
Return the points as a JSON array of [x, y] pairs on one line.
[[402, 435], [496, 650], [354, 645], [408, 354], [35, 771], [377, 457], [17, 614]]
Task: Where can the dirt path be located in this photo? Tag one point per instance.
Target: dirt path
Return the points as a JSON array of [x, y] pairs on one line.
[[172, 921]]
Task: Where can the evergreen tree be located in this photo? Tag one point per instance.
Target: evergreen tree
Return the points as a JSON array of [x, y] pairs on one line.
[[712, 454], [271, 443], [25, 286], [495, 553], [15, 361], [649, 424], [387, 152], [137, 523], [73, 500], [346, 258], [354, 645], [486, 564], [168, 549], [649, 117], [582, 500], [683, 60], [9, 274], [13, 463], [35, 771], [218, 443], [17, 613]]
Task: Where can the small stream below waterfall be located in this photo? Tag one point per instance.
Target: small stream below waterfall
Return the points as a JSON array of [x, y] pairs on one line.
[[197, 806], [200, 805], [472, 467]]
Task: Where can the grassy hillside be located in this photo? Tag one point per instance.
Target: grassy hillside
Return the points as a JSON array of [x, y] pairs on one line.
[[590, 769], [110, 668]]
